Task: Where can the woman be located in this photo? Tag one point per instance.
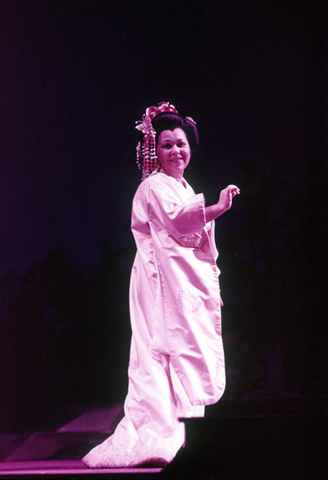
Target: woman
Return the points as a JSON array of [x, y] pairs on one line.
[[176, 362]]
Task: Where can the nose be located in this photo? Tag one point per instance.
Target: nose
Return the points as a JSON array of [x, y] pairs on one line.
[[175, 149]]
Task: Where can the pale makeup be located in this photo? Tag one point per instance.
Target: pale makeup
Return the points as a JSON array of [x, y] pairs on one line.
[[173, 152]]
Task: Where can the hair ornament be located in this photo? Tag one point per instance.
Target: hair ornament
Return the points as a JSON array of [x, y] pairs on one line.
[[191, 120], [146, 153]]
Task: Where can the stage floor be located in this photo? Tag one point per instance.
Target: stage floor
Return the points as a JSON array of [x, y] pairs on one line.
[[256, 441], [66, 467]]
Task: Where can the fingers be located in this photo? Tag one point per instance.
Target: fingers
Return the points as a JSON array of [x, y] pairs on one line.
[[234, 190]]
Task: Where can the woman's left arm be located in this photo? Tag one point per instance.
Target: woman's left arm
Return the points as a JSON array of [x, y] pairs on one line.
[[225, 202]]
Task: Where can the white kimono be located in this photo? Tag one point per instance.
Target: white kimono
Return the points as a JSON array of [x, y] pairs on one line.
[[176, 358]]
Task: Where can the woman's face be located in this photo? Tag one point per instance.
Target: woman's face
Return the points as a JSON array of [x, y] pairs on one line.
[[173, 152]]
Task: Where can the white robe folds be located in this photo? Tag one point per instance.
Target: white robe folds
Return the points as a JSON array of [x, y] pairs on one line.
[[176, 358]]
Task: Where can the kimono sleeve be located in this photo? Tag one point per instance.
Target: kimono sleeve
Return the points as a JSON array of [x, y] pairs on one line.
[[179, 216]]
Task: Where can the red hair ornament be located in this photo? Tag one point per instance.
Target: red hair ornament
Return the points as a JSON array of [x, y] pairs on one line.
[[146, 154]]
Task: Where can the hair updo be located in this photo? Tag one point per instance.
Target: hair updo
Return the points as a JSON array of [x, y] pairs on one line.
[[171, 121]]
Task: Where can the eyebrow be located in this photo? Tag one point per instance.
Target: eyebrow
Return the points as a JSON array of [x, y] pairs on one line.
[[165, 140]]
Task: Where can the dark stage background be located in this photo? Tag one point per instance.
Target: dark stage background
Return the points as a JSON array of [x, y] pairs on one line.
[[75, 76]]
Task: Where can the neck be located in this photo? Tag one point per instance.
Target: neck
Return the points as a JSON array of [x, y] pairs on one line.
[[179, 179]]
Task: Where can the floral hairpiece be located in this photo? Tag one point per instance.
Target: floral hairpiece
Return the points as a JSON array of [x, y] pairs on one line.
[[146, 154]]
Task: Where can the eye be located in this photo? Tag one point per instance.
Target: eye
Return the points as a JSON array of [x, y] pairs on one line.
[[166, 145], [181, 144]]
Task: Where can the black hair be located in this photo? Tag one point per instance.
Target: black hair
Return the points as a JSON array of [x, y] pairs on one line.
[[171, 121]]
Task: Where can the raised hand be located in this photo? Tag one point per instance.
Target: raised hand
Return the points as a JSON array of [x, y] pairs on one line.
[[225, 201], [226, 196]]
